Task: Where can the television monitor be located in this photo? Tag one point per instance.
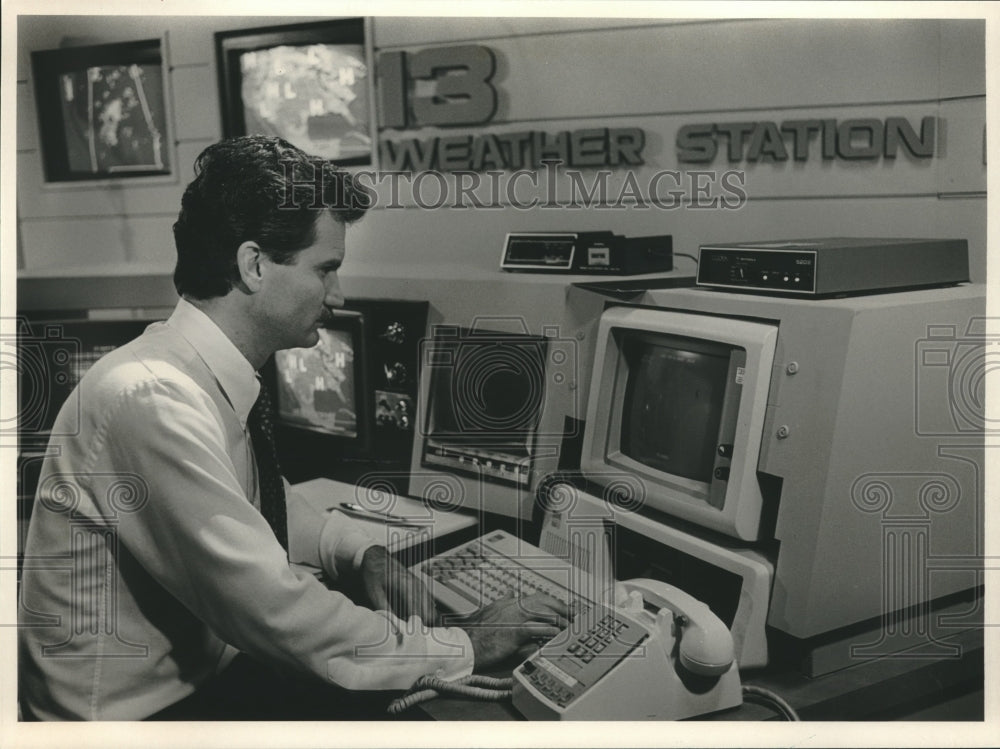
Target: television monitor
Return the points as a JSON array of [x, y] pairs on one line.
[[485, 399], [324, 389], [102, 111], [676, 412], [307, 83]]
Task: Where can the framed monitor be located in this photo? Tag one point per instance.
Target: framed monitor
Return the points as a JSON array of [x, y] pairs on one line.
[[307, 83], [102, 111], [676, 412]]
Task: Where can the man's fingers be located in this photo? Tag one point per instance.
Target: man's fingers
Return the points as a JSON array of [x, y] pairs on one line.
[[547, 609], [547, 601], [380, 599], [539, 631]]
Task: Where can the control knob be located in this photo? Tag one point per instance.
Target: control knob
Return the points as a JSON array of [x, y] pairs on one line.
[[396, 374], [394, 332]]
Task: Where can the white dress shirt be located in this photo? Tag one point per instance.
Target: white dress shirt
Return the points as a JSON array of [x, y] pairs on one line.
[[148, 566]]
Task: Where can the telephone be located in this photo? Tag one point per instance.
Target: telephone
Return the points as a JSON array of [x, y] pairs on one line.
[[660, 655]]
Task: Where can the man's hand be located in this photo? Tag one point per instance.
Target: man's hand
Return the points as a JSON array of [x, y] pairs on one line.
[[512, 626], [391, 587]]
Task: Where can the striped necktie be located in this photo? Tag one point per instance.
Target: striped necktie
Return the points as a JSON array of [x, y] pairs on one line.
[[272, 490]]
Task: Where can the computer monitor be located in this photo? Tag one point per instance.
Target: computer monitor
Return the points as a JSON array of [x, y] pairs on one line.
[[676, 411], [484, 402], [324, 389]]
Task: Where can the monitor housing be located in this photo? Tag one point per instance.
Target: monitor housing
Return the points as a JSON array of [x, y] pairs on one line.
[[677, 406], [857, 456], [488, 391], [345, 407]]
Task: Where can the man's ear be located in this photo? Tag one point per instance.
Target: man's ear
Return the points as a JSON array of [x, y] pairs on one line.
[[248, 262]]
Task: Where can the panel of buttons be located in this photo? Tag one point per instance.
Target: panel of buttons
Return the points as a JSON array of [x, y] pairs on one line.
[[562, 669]]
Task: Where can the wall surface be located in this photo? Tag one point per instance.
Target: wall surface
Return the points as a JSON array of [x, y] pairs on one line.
[[556, 75]]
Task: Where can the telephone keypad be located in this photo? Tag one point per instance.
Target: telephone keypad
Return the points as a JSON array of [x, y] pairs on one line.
[[562, 670]]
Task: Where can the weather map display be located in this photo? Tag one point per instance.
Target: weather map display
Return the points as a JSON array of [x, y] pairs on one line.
[[316, 387], [313, 95], [113, 118]]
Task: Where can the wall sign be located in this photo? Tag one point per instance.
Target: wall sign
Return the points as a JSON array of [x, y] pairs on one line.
[[452, 87], [440, 86], [801, 140], [527, 149]]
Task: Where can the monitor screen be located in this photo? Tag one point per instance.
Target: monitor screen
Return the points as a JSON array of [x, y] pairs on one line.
[[317, 387], [673, 404], [675, 414], [114, 118], [486, 389], [314, 95]]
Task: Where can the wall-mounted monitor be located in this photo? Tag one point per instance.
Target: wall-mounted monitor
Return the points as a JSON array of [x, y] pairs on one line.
[[102, 111], [676, 413], [307, 83]]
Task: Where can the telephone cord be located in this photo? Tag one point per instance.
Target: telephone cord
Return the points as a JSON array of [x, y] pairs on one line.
[[764, 696], [486, 688]]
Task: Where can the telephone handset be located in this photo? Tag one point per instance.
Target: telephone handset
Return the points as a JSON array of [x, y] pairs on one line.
[[659, 654], [706, 644]]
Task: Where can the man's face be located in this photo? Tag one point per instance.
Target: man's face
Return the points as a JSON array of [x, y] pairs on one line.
[[297, 294]]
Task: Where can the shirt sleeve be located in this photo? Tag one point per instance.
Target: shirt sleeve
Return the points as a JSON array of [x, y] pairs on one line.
[[330, 541], [190, 524], [342, 545]]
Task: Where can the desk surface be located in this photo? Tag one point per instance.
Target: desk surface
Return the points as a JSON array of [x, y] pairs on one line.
[[424, 523]]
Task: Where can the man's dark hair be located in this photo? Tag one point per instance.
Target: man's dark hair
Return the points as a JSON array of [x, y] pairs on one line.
[[260, 189]]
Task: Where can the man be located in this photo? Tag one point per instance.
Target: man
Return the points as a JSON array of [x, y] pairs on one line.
[[149, 564]]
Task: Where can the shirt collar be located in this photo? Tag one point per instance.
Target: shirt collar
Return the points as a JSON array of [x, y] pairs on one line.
[[231, 368]]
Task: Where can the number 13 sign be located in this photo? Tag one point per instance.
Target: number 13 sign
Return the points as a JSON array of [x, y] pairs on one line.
[[439, 86]]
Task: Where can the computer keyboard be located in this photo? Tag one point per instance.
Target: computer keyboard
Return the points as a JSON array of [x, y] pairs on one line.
[[497, 564]]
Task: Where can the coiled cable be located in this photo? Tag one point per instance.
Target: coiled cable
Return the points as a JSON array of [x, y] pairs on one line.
[[485, 688]]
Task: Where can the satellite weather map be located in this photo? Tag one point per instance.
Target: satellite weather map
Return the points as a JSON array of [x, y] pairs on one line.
[[315, 385], [314, 96], [114, 118]]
